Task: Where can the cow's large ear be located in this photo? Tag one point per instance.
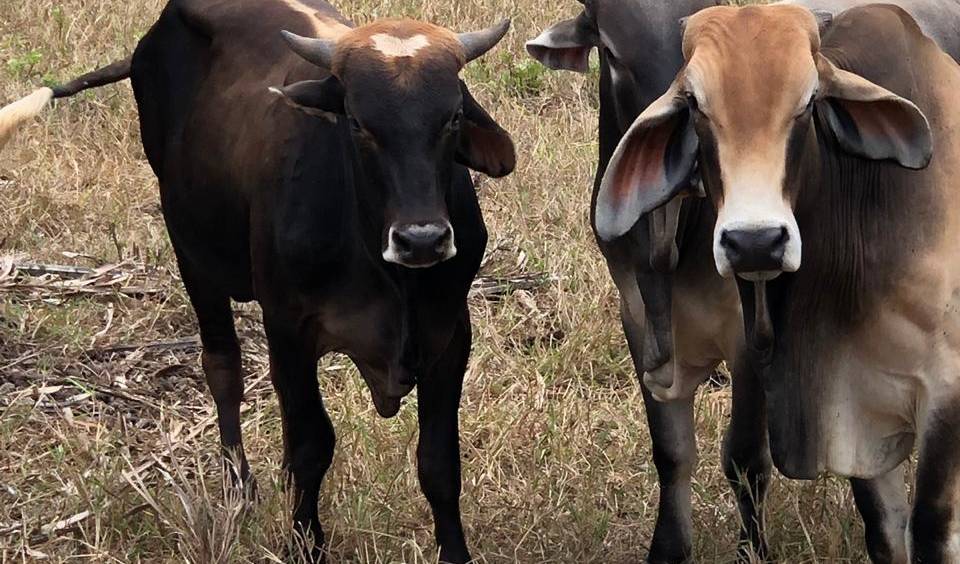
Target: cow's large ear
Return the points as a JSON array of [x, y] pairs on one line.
[[653, 163], [484, 146], [321, 98], [566, 45], [870, 121]]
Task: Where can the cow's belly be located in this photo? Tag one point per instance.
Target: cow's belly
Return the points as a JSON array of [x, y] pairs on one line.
[[885, 381], [210, 233], [867, 419]]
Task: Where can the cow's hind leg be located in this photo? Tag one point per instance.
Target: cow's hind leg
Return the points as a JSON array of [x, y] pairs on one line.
[[882, 502], [222, 369], [438, 449], [308, 434], [934, 534], [746, 457]]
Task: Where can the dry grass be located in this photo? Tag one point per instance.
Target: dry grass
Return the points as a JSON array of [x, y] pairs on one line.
[[557, 456]]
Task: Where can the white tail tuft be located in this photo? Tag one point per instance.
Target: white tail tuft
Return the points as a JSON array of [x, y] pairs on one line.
[[20, 111]]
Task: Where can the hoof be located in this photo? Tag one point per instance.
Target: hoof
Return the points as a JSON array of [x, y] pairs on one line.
[[669, 557]]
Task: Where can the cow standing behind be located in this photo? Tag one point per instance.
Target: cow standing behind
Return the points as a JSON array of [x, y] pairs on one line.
[[680, 318], [857, 329], [324, 178]]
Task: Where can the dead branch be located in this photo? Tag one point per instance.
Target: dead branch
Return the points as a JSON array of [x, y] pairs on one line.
[[495, 288], [175, 345]]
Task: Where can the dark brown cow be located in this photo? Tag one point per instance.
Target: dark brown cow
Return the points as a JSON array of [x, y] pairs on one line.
[[803, 139], [328, 182]]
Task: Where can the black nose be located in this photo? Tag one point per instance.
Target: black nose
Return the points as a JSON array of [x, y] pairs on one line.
[[422, 244], [755, 250]]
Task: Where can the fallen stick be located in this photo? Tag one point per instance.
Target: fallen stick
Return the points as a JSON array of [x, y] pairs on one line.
[[48, 530], [182, 344], [493, 288], [61, 270]]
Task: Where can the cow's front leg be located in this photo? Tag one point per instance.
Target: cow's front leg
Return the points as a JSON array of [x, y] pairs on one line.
[[746, 457], [438, 450], [675, 456], [674, 444], [308, 435], [934, 535], [882, 503]]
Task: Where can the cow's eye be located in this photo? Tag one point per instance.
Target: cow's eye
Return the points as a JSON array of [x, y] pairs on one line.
[[808, 109], [693, 103], [457, 120], [354, 124]]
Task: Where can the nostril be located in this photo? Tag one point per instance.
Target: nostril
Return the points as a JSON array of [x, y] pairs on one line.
[[783, 238], [419, 238], [401, 241], [444, 237], [728, 242], [755, 250]]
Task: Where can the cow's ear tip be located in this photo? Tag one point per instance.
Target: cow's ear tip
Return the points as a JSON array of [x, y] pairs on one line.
[[609, 228], [509, 161], [612, 221], [920, 161]]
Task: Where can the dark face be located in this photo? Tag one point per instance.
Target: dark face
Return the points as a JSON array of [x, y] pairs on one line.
[[406, 135], [639, 41], [411, 121]]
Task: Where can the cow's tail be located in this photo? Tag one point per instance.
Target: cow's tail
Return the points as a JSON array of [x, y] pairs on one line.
[[25, 109]]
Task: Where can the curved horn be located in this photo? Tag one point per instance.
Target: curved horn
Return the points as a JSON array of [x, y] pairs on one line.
[[476, 43], [317, 51]]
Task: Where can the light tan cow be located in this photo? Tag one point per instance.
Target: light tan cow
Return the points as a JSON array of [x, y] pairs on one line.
[[831, 162]]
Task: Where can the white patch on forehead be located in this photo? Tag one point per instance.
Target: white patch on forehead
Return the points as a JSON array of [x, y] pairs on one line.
[[396, 47]]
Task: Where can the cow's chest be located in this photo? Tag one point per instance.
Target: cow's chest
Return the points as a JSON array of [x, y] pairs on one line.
[[394, 328]]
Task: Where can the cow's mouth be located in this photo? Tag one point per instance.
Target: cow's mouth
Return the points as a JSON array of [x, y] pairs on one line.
[[760, 275]]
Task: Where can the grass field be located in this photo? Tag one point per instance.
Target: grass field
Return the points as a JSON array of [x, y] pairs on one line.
[[108, 451]]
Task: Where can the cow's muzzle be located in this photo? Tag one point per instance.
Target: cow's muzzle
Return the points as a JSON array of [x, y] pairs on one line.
[[420, 245], [757, 252]]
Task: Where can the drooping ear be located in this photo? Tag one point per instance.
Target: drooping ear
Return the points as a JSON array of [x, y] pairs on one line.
[[484, 146], [870, 121], [653, 163], [321, 98], [566, 45]]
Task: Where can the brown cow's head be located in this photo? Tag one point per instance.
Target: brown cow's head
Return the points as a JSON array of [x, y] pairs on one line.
[[743, 107], [411, 117]]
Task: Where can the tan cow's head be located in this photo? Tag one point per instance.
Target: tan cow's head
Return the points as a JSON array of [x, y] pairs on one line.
[[743, 109]]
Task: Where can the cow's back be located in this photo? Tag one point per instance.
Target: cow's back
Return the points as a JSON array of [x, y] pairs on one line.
[[220, 143], [939, 19]]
